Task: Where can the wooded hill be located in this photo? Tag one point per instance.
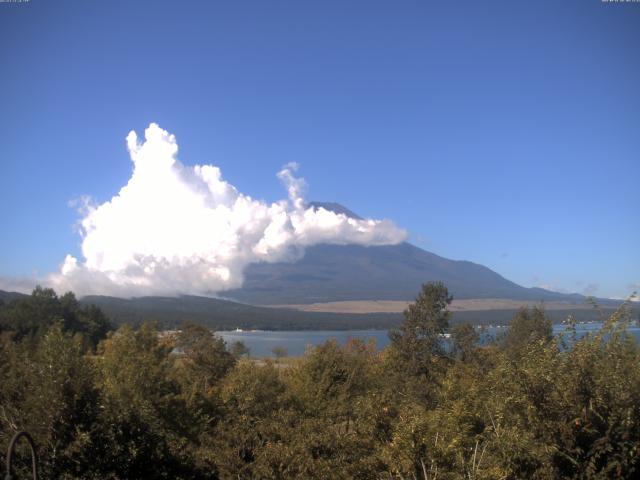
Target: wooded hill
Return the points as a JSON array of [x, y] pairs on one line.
[[218, 314]]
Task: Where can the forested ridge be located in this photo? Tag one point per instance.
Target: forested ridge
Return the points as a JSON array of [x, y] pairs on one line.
[[128, 403], [220, 315]]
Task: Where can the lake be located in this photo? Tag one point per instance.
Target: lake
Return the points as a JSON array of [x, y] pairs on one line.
[[262, 342]]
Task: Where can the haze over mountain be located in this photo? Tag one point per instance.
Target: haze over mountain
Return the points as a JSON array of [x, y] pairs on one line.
[[329, 273]]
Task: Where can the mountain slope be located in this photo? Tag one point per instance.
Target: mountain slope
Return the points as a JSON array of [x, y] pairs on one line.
[[8, 296], [330, 273], [351, 272]]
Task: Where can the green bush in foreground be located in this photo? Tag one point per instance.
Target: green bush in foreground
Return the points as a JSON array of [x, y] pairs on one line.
[[141, 405]]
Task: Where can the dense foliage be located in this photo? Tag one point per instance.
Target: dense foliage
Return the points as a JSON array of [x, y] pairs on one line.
[[138, 404]]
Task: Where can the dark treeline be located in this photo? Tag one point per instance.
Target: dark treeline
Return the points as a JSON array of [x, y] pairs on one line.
[[219, 314], [123, 404]]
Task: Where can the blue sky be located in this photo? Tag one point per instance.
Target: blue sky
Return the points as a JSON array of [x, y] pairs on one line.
[[505, 133]]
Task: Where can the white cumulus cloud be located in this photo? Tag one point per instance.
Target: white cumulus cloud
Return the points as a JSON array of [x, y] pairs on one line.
[[180, 229]]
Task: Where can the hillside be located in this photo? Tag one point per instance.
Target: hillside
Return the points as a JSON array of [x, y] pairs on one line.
[[330, 273], [226, 315], [8, 296], [218, 314]]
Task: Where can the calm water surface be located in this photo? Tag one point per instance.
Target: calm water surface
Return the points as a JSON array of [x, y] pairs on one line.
[[262, 342]]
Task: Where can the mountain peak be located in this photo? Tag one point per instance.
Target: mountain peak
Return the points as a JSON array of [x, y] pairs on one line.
[[335, 208]]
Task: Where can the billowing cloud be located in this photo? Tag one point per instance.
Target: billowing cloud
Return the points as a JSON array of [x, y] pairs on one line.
[[180, 229]]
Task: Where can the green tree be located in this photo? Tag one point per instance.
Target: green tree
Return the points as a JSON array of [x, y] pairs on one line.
[[254, 399], [528, 326], [32, 316], [48, 390], [464, 341], [416, 348], [93, 324], [239, 349], [330, 378], [205, 358], [145, 423]]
